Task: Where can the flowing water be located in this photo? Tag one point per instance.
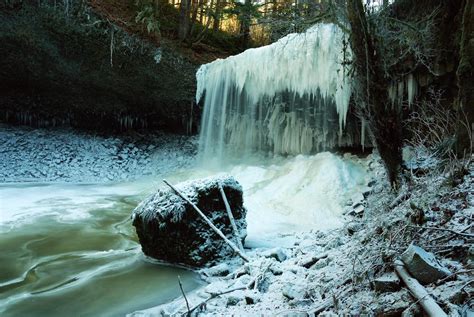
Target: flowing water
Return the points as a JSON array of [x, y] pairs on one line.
[[70, 250]]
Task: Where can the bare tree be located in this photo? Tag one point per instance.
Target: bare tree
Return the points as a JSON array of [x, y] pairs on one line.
[[372, 91], [184, 16], [465, 74]]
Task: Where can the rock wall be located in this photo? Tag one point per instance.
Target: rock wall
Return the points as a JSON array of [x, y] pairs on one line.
[[65, 65]]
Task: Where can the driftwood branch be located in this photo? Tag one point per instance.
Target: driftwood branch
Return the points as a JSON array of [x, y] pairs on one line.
[[403, 196], [327, 303], [209, 222], [231, 219], [467, 235], [184, 295], [419, 292], [241, 288]]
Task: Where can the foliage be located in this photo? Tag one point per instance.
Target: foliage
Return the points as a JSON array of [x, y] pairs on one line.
[[148, 15], [432, 128], [244, 12]]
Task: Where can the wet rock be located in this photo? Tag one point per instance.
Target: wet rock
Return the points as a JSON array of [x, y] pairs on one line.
[[169, 229], [423, 265], [387, 283]]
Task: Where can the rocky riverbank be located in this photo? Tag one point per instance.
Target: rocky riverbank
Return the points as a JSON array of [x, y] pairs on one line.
[[350, 270], [65, 155]]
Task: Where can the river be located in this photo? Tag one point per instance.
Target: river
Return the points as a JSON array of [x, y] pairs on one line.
[[70, 249]]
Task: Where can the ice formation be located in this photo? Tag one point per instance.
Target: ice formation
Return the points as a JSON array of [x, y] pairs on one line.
[[289, 97], [407, 86]]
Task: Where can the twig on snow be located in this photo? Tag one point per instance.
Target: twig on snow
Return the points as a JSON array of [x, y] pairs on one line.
[[184, 295]]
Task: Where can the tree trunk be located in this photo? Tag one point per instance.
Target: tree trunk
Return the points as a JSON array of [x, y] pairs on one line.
[[196, 4], [245, 24], [372, 89], [217, 13], [465, 74], [183, 26]]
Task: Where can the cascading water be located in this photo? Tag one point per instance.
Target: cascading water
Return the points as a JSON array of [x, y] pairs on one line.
[[287, 99], [290, 97]]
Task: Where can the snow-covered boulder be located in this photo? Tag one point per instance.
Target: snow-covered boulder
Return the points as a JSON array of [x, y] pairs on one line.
[[170, 229], [423, 265]]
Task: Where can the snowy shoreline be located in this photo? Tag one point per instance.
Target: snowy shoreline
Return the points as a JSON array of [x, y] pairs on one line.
[[65, 155], [334, 273], [332, 270]]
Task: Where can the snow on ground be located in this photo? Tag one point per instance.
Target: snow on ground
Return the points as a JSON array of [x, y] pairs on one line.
[[333, 271], [64, 155]]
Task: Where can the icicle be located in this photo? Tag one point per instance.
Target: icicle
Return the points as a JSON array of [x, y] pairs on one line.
[[392, 93], [412, 87], [267, 98], [400, 92]]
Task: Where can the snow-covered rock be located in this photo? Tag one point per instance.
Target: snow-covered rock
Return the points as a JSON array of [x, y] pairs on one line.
[[423, 265], [388, 282], [275, 253], [65, 155], [170, 229]]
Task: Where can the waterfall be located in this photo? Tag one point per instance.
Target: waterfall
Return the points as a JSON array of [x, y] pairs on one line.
[[289, 97]]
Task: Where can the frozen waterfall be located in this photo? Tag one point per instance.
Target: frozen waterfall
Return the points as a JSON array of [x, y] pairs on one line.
[[290, 97]]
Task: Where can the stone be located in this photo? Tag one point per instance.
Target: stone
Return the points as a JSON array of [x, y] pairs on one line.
[[294, 291], [353, 227], [309, 260], [320, 264], [216, 287], [276, 270], [391, 304], [357, 198], [252, 297], [412, 311], [218, 270], [450, 292], [357, 210], [170, 230], [366, 191], [235, 298], [388, 282], [275, 253], [423, 265]]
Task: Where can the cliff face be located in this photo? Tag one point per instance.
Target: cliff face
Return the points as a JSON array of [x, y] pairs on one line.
[[66, 65]]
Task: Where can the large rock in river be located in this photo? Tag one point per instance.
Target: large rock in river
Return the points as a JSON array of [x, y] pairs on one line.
[[170, 229]]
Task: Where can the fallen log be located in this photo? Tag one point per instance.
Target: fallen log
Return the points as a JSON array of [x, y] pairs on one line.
[[231, 219], [419, 292], [209, 222]]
